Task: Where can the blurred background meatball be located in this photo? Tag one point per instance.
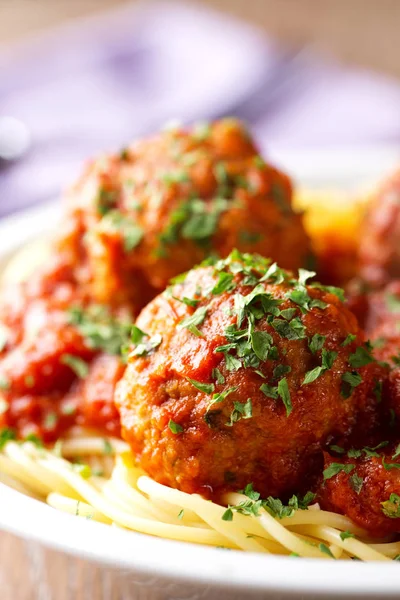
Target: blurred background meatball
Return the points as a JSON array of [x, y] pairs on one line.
[[379, 252], [241, 373], [163, 204]]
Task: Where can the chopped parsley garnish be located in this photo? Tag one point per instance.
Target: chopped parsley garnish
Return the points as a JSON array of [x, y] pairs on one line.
[[336, 291], [50, 421], [324, 548], [361, 357], [316, 343], [350, 380], [377, 391], [356, 482], [82, 470], [349, 339], [78, 365], [390, 466], [284, 394], [337, 449], [131, 232], [335, 468], [195, 319], [108, 449], [241, 410], [145, 347], [181, 514], [396, 452], [393, 303], [34, 439], [175, 427], [5, 385], [100, 329], [328, 358], [6, 435], [106, 201], [269, 391], [207, 388], [225, 283], [217, 375], [344, 535], [391, 507]]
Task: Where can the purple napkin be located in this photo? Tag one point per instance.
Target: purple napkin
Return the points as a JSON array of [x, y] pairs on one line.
[[99, 83]]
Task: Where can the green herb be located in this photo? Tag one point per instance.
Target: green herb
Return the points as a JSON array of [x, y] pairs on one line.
[[50, 420], [68, 409], [349, 339], [338, 292], [391, 507], [106, 201], [259, 162], [377, 391], [396, 452], [225, 283], [392, 303], [217, 375], [284, 393], [280, 371], [228, 515], [34, 439], [356, 482], [292, 330], [360, 357], [175, 427], [175, 177], [146, 347], [335, 468], [82, 470], [5, 384], [390, 466], [188, 301], [108, 449], [77, 365], [124, 154], [312, 375], [195, 319], [261, 342], [181, 514], [100, 329], [324, 548], [241, 410], [137, 335], [207, 388], [344, 535], [350, 380], [337, 449], [316, 342], [221, 396], [131, 232], [6, 435]]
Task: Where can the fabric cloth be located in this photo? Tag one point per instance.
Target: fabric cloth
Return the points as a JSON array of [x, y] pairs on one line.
[[103, 81]]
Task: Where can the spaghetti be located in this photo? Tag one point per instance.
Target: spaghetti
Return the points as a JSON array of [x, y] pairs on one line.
[[128, 498]]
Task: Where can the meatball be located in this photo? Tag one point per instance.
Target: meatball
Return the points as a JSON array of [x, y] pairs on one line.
[[241, 373], [379, 252], [163, 204], [60, 357], [364, 485]]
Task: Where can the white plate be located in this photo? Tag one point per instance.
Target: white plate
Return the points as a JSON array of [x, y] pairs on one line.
[[161, 569]]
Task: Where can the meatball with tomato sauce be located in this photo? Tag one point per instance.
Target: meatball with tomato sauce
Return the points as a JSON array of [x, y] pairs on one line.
[[242, 373], [379, 252], [60, 357], [163, 204], [364, 485]]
